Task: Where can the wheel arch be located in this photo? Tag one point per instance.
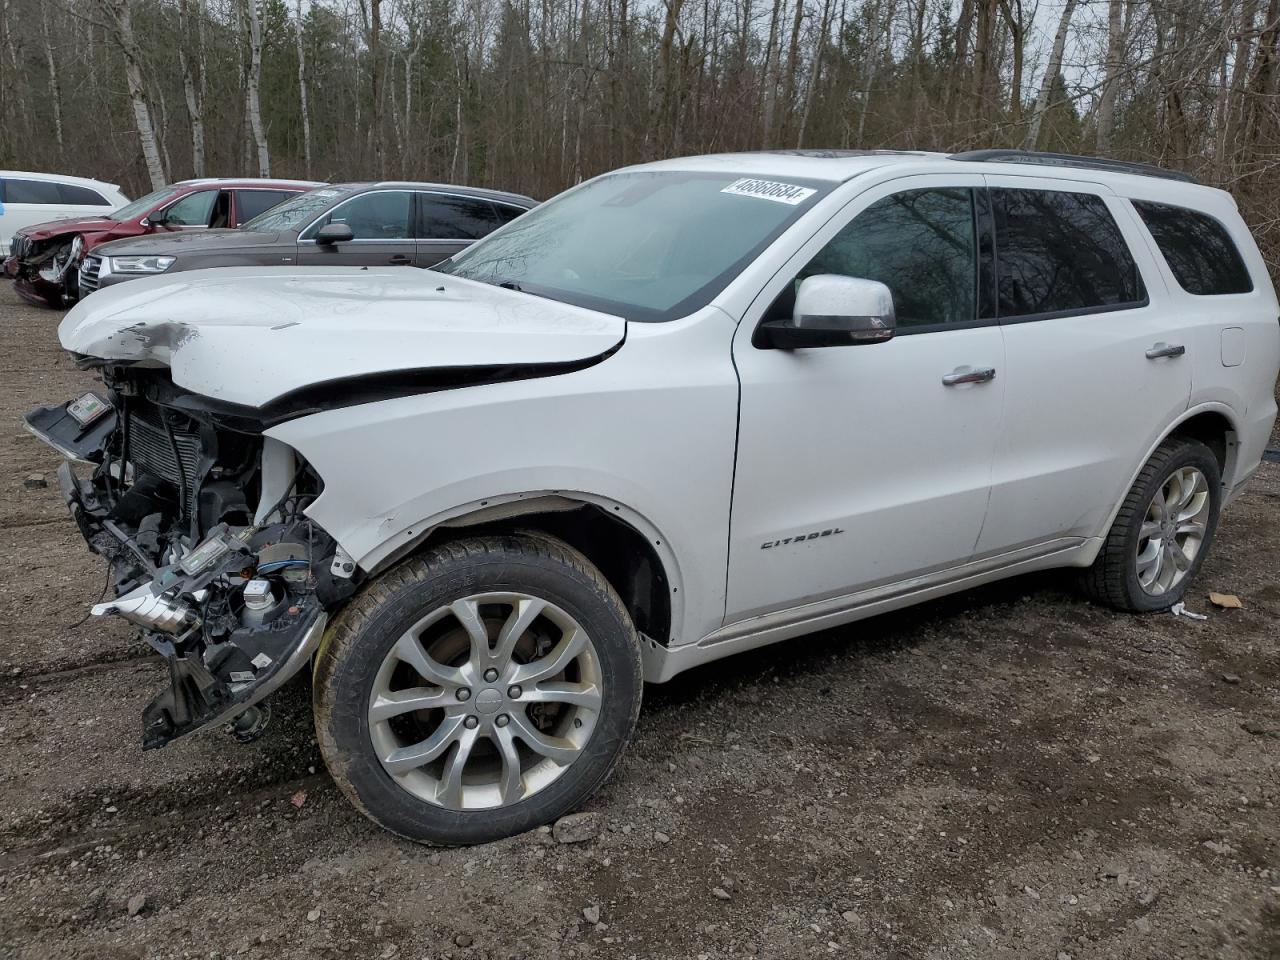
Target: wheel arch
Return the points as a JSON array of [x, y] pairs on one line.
[[630, 552], [1213, 424]]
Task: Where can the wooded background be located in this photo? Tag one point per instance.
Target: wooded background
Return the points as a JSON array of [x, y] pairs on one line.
[[534, 95]]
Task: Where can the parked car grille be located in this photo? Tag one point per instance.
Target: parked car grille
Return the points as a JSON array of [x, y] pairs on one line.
[[19, 246], [89, 268], [151, 451]]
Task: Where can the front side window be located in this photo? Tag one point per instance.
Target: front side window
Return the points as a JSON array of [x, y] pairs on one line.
[[1200, 253], [382, 215], [1060, 252], [251, 203], [649, 246], [193, 210], [456, 218], [296, 212], [31, 191], [922, 245]]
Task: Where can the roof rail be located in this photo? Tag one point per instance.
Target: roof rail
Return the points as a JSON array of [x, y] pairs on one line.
[[1071, 160]]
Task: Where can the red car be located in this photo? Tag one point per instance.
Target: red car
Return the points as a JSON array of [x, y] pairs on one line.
[[45, 258]]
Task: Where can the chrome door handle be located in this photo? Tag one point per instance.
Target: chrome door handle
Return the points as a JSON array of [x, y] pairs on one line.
[[969, 375], [399, 260], [1163, 349]]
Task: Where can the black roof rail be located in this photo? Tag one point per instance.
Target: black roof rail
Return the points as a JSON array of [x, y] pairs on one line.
[[1071, 160]]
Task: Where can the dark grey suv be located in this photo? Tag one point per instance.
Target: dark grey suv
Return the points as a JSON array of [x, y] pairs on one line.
[[351, 224]]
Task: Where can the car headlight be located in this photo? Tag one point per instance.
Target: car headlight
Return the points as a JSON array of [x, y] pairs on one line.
[[140, 264]]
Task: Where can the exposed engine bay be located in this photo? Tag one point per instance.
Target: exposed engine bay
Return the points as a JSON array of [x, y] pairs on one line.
[[201, 521]]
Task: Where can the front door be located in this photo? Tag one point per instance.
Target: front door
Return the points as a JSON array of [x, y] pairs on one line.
[[381, 227], [870, 464]]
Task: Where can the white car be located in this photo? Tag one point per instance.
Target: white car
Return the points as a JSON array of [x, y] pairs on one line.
[[28, 198], [680, 411]]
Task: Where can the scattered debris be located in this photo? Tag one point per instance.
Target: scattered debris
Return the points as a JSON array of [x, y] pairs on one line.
[[298, 799], [137, 903], [1227, 601], [661, 837], [313, 915], [577, 827], [591, 914], [1146, 898], [1223, 848], [463, 940], [1179, 609], [1231, 678], [35, 480], [720, 893], [1253, 728]]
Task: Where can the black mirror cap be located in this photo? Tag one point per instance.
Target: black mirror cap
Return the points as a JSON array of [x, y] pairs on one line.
[[836, 332], [332, 233]]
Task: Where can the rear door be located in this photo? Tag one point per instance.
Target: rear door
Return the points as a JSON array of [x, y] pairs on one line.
[[1093, 369], [381, 222], [451, 223]]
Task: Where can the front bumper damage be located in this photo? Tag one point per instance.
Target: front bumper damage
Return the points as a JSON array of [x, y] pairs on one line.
[[234, 599]]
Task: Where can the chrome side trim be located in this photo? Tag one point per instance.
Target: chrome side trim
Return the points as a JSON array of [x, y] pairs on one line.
[[663, 663]]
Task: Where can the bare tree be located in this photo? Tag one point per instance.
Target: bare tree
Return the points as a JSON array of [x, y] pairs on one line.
[[302, 92], [253, 80], [1051, 71], [190, 90], [121, 19]]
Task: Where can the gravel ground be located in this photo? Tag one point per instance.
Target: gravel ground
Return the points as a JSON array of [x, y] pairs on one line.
[[1009, 773]]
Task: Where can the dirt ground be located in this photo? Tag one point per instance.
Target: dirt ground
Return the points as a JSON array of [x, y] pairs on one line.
[[1011, 773]]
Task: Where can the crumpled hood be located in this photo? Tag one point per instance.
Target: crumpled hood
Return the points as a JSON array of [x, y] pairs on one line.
[[249, 335], [72, 224]]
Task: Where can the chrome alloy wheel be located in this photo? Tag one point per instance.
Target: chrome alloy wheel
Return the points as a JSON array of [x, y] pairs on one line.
[[1173, 530], [486, 701]]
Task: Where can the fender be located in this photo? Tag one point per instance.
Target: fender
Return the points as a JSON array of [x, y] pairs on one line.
[[1228, 474], [528, 503]]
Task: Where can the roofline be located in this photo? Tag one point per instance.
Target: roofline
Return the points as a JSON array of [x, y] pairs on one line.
[[1071, 160], [454, 188], [65, 177]]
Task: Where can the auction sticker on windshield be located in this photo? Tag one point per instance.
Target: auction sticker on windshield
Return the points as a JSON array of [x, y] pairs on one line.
[[787, 193]]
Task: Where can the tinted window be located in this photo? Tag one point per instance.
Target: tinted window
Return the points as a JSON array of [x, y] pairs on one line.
[[371, 216], [921, 245], [456, 218], [1059, 252], [506, 213], [31, 191], [193, 210], [251, 203], [1198, 249], [82, 196]]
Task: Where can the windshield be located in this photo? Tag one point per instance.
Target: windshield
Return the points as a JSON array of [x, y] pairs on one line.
[[647, 246], [143, 204], [294, 214]]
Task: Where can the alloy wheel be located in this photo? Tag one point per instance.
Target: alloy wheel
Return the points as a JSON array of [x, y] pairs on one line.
[[486, 701], [1173, 530]]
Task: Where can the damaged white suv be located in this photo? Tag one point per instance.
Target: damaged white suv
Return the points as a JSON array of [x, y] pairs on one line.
[[682, 410]]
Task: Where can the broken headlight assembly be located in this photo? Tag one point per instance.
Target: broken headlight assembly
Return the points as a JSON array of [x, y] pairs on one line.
[[202, 521]]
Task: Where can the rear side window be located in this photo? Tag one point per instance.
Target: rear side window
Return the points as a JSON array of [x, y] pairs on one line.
[[1198, 249], [506, 214], [31, 191], [1059, 252], [456, 218], [251, 203], [82, 196]]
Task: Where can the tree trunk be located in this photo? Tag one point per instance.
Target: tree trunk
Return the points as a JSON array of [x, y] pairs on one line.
[[121, 14], [302, 92], [253, 78], [55, 87], [195, 104], [1111, 78], [1051, 71]]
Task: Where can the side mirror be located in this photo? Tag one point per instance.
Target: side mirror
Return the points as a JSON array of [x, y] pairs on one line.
[[832, 311], [332, 233]]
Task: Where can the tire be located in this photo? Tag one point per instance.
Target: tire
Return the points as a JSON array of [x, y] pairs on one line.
[[372, 662], [1118, 576]]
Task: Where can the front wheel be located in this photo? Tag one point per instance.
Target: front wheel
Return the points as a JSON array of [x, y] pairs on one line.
[[1162, 532], [479, 690]]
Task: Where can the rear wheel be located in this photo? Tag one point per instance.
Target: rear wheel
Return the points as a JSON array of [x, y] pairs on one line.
[[479, 690], [1162, 532]]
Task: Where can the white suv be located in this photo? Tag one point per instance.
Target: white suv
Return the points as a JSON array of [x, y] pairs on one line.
[[682, 410], [30, 198]]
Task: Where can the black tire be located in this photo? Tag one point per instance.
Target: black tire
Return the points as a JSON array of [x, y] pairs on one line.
[[365, 631], [1113, 577]]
